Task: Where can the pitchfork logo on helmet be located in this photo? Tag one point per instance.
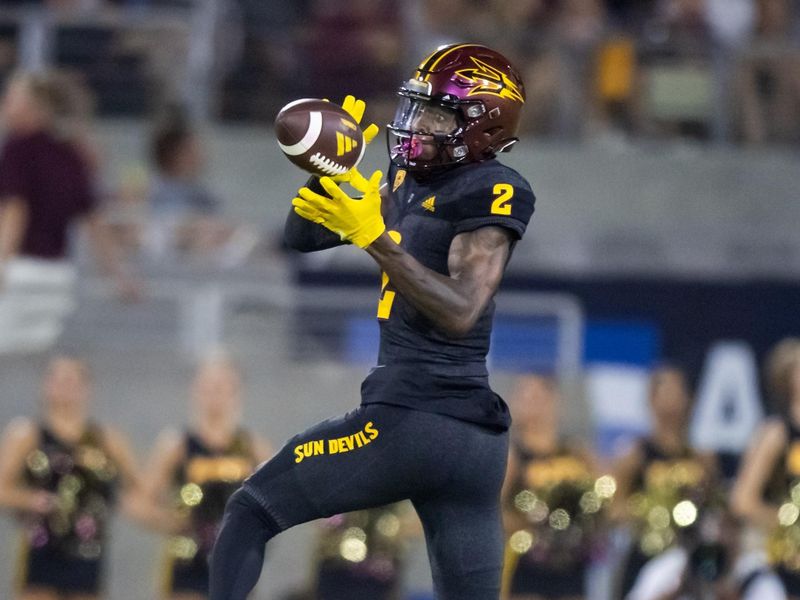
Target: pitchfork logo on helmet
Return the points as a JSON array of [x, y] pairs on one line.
[[488, 80], [463, 104]]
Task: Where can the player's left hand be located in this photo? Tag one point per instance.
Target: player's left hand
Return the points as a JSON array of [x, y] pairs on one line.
[[357, 220], [355, 108]]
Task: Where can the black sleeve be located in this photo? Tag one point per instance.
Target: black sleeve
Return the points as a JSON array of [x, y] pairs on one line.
[[303, 235], [506, 202]]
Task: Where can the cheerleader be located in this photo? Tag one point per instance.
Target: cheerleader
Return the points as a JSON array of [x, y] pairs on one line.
[[766, 494], [662, 483], [553, 503], [361, 555], [62, 474], [196, 470]]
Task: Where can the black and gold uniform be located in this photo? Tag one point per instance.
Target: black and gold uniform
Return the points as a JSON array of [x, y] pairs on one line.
[[65, 550], [784, 490], [429, 428], [554, 508], [203, 483], [360, 555], [418, 366], [668, 493]]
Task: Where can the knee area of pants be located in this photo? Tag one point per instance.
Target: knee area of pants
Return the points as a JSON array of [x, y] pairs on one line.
[[243, 506], [242, 502]]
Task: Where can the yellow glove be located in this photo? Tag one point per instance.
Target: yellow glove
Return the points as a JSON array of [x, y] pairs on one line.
[[355, 108], [357, 220]]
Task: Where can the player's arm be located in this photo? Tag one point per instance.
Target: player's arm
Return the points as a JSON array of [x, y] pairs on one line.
[[453, 303], [20, 439], [306, 236], [747, 495]]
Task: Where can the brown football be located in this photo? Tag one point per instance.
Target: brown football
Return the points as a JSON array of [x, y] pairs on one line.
[[319, 136]]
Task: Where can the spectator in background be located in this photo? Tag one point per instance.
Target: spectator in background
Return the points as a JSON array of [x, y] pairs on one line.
[[524, 28], [46, 187], [769, 78], [767, 491], [580, 27], [552, 511], [196, 470], [355, 46], [184, 219], [659, 472], [60, 473]]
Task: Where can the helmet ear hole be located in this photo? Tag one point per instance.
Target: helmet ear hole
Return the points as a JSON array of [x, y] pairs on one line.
[[494, 113], [494, 132], [496, 142]]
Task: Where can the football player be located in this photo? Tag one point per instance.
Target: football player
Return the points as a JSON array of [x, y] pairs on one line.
[[429, 428]]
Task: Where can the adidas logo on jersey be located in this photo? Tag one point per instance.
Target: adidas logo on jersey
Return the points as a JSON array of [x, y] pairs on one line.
[[429, 204]]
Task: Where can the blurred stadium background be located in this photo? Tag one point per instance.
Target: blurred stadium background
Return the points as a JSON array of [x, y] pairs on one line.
[[661, 138]]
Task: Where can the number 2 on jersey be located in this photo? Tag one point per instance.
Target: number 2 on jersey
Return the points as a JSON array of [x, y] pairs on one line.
[[387, 296], [503, 192]]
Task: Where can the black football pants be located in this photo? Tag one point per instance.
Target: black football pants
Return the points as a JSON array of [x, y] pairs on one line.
[[451, 470]]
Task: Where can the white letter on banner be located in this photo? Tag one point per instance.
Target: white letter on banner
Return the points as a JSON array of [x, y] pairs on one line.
[[728, 404]]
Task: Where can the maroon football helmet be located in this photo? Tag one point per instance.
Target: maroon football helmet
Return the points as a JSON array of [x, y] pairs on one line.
[[462, 105]]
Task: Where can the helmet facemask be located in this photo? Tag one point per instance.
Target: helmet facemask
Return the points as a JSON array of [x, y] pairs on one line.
[[426, 133]]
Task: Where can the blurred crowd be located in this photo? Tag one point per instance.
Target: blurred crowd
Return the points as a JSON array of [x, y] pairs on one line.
[[724, 70], [646, 67], [50, 187]]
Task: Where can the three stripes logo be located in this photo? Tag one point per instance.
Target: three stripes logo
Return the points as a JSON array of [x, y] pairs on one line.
[[344, 143], [429, 204]]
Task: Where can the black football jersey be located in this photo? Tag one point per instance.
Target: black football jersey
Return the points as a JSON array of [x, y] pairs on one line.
[[419, 366]]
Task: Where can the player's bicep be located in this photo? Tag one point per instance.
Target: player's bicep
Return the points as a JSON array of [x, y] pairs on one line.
[[478, 259]]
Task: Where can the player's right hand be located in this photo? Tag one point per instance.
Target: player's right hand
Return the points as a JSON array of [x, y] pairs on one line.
[[357, 220]]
